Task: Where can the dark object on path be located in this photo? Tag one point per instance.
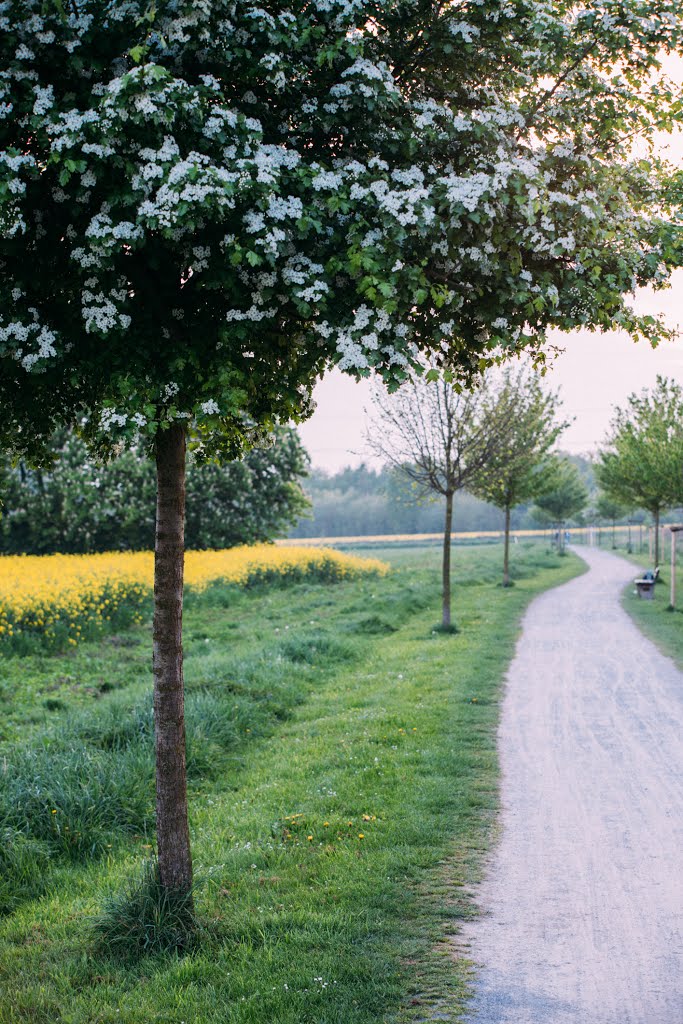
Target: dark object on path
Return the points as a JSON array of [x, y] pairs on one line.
[[645, 586]]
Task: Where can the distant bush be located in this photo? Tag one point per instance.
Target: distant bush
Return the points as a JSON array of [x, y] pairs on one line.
[[82, 506]]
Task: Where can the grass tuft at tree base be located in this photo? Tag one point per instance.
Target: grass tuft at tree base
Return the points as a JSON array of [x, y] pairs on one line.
[[450, 630], [146, 919]]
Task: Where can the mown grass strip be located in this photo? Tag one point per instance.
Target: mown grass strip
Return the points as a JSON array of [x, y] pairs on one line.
[[660, 623], [335, 849]]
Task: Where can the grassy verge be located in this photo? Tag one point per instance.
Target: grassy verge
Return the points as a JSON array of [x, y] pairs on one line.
[[658, 621], [343, 786]]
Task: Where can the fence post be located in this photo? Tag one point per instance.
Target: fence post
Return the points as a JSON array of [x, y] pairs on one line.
[[674, 533]]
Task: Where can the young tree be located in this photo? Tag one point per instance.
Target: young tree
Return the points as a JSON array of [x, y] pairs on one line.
[[607, 508], [563, 497], [438, 438], [524, 418], [204, 205], [642, 463]]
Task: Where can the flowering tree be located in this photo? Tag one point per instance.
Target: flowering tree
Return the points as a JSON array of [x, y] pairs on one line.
[[524, 418], [205, 204]]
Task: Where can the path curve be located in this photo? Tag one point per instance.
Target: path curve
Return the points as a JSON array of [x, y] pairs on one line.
[[583, 900]]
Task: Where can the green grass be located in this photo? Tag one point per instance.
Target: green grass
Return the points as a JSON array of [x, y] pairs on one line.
[[343, 787], [658, 621]]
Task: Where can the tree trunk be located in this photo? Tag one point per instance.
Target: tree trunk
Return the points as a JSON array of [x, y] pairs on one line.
[[656, 515], [173, 834], [614, 534], [506, 549], [446, 571]]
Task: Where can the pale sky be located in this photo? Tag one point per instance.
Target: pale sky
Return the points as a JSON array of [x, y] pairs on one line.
[[595, 373]]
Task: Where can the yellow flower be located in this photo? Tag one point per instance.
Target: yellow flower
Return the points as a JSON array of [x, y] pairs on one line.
[[40, 590]]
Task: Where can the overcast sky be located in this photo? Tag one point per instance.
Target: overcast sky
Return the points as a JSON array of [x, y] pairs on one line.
[[594, 373]]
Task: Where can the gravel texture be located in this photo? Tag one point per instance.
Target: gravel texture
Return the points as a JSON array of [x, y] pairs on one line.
[[583, 900]]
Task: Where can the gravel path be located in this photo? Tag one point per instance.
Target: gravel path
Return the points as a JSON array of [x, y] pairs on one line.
[[583, 901]]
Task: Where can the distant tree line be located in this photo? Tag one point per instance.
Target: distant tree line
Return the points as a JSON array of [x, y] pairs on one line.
[[81, 505], [368, 500]]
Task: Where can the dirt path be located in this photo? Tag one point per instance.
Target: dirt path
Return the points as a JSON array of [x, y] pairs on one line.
[[584, 897]]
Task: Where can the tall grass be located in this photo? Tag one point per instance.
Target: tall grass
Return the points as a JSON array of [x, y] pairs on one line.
[[342, 792], [85, 784]]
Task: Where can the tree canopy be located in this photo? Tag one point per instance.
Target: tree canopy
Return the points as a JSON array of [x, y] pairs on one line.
[[529, 428], [523, 418], [564, 496], [641, 464], [203, 205], [434, 435]]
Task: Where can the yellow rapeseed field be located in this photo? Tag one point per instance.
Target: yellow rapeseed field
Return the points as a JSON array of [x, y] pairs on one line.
[[62, 598]]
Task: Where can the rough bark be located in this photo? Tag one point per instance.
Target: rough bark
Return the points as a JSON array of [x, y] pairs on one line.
[[656, 515], [446, 568], [173, 834], [506, 549]]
